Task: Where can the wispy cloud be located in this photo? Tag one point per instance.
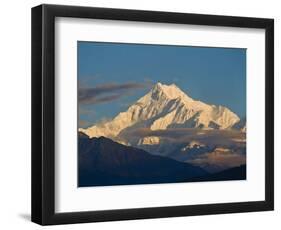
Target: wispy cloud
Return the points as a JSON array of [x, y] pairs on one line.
[[84, 123], [107, 92], [85, 110], [182, 135]]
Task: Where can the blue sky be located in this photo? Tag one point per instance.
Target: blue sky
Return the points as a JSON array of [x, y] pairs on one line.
[[116, 75]]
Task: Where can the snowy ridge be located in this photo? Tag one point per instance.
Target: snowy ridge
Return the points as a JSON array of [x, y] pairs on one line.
[[163, 107]]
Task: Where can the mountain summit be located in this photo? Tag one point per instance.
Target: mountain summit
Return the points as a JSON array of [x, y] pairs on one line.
[[169, 91], [163, 107]]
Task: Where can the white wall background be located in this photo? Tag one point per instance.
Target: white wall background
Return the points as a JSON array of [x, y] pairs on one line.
[[15, 114]]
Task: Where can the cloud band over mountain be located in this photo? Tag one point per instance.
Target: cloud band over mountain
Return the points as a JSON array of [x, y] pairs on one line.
[[185, 135], [107, 92]]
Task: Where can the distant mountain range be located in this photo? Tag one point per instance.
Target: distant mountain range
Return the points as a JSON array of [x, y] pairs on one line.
[[103, 162], [163, 107]]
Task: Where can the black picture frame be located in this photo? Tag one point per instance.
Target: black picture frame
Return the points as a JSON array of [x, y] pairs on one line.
[[43, 114]]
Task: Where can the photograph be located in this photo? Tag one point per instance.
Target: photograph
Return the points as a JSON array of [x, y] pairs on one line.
[[150, 114], [140, 114]]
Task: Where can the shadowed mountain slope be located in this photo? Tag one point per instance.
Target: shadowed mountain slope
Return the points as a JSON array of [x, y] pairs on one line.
[[236, 173], [104, 162]]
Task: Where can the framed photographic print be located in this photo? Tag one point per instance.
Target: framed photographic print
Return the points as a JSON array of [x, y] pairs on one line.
[[142, 114]]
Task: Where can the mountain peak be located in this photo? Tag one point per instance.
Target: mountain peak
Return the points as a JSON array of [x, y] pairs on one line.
[[165, 106], [161, 86], [171, 91], [158, 85]]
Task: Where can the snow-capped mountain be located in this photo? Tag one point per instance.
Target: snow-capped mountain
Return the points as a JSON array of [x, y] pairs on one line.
[[241, 125], [163, 107]]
